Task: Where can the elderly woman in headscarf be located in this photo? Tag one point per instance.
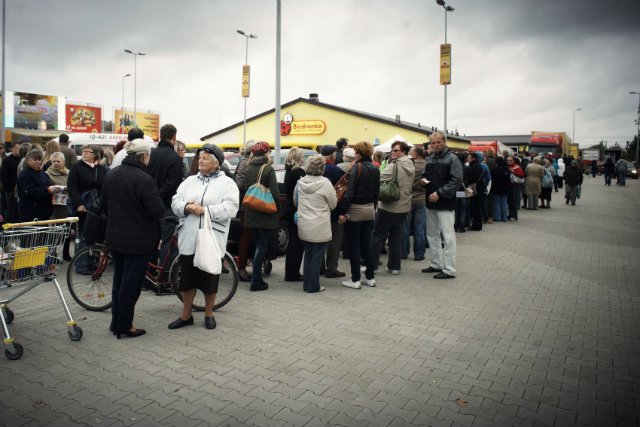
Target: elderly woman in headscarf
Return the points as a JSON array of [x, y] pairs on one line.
[[533, 182], [132, 203], [264, 225], [315, 197], [212, 193]]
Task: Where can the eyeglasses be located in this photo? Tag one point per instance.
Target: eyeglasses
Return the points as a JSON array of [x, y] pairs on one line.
[[396, 150]]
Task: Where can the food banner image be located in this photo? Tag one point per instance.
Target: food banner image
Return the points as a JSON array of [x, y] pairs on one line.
[[149, 122], [33, 111], [82, 118]]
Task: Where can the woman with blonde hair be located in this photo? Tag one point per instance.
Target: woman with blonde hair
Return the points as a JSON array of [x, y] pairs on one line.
[[293, 172]]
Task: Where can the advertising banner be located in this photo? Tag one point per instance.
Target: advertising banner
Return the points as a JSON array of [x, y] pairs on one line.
[[246, 71], [445, 64], [83, 118], [33, 111], [591, 155], [148, 121]]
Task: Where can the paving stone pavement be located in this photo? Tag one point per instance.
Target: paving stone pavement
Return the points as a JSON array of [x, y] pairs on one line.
[[540, 328]]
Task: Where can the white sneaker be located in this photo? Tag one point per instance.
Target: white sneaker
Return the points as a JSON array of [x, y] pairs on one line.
[[395, 272], [369, 282], [352, 285], [363, 269]]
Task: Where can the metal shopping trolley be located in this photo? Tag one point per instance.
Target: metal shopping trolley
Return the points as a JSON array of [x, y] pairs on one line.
[[29, 255]]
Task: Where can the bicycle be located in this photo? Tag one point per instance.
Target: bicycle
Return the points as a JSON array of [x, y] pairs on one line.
[[92, 289]]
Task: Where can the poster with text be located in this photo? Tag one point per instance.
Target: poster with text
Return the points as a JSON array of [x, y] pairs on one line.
[[82, 118], [149, 122]]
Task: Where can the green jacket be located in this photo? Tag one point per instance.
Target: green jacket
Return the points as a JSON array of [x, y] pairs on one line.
[[252, 218]]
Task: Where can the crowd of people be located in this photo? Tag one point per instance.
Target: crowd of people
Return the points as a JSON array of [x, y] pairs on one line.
[[346, 199]]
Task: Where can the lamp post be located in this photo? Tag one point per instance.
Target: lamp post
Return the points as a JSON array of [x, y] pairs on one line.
[[135, 82], [246, 63], [638, 122], [122, 109], [573, 135], [4, 92], [447, 9]]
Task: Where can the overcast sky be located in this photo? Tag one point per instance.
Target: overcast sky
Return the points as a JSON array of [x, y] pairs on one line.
[[518, 65]]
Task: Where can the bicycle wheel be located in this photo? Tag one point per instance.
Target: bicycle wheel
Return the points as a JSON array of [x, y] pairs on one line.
[[227, 285], [90, 277]]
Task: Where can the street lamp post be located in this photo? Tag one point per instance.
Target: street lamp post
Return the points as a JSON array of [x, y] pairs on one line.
[[246, 62], [122, 109], [135, 82], [447, 9], [573, 135], [4, 92], [638, 122]]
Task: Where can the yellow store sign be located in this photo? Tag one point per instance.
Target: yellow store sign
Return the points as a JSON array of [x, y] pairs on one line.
[[307, 127]]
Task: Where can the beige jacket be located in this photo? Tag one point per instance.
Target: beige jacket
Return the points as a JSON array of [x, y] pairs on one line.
[[406, 172], [315, 197]]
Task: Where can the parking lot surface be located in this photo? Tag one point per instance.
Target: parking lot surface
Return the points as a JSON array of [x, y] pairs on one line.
[[541, 327]]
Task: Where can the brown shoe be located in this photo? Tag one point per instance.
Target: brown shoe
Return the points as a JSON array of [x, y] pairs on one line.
[[330, 274]]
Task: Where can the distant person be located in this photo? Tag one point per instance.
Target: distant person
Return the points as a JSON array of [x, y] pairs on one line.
[[70, 156], [609, 169], [416, 220], [165, 166], [476, 201], [500, 180], [9, 176], [621, 171], [181, 149], [49, 148], [572, 181], [333, 173], [341, 144], [134, 133], [594, 168], [533, 182], [246, 236]]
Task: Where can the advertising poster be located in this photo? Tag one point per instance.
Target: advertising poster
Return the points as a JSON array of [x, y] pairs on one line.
[[149, 122], [33, 111], [83, 118], [445, 64]]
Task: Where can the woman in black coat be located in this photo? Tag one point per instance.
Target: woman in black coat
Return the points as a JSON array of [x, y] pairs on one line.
[[475, 177], [295, 249], [500, 184], [132, 202], [34, 190]]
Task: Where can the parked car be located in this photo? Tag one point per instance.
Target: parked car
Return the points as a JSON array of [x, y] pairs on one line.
[[632, 170]]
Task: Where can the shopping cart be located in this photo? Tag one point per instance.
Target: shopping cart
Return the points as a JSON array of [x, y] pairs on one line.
[[28, 257]]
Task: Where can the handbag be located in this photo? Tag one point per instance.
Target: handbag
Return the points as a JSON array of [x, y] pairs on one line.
[[295, 214], [547, 180], [389, 191], [95, 226], [515, 179], [343, 183], [259, 198], [470, 191], [208, 256]]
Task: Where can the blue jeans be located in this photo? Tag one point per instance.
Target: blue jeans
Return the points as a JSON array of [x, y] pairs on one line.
[[313, 253], [416, 221], [262, 238], [622, 177], [500, 210], [607, 178], [358, 234]]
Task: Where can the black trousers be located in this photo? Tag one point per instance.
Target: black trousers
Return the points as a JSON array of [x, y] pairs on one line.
[[475, 203], [295, 251], [129, 272], [388, 224]]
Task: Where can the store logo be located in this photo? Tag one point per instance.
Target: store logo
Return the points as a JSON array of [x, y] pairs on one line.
[[301, 127]]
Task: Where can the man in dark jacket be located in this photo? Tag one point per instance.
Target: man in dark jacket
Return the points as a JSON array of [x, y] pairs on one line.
[[333, 173], [573, 180], [133, 206], [165, 167], [9, 175], [443, 177]]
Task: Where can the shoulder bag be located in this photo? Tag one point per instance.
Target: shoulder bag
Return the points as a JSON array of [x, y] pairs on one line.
[[207, 257], [389, 191], [343, 183], [259, 198]]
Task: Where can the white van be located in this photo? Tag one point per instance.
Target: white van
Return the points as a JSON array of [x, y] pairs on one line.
[[102, 140]]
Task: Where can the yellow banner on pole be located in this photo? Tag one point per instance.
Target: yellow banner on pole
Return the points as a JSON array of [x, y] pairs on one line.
[[445, 64], [245, 80]]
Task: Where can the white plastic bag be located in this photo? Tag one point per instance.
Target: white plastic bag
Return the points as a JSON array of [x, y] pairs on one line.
[[207, 257]]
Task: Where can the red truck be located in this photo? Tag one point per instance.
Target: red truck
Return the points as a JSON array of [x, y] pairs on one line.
[[484, 146], [554, 143]]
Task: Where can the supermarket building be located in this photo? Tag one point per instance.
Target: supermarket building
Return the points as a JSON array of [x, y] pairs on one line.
[[311, 123]]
